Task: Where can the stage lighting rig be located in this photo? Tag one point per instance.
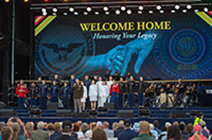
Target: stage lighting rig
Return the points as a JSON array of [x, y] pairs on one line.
[[54, 10], [123, 8], [177, 7], [158, 7], [206, 9], [129, 12], [140, 7], [88, 9], [189, 6], [117, 12], [71, 9], [105, 8]]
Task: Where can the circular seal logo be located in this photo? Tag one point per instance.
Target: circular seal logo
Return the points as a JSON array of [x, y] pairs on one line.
[[186, 49], [62, 48], [187, 46]]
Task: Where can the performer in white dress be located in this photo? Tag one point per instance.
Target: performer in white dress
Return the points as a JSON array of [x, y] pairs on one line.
[[93, 94], [103, 94], [83, 100], [99, 85], [109, 83]]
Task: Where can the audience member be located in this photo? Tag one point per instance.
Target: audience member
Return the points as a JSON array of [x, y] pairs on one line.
[[189, 128], [99, 124], [198, 119], [2, 124], [29, 128], [167, 124], [57, 132], [115, 126], [99, 134], [89, 133], [79, 122], [76, 129], [39, 134], [6, 133], [119, 129], [35, 126], [84, 127], [176, 123], [185, 133], [50, 129], [205, 131], [136, 127], [67, 131], [109, 133], [128, 133], [16, 129], [152, 131], [163, 134], [174, 133], [156, 126], [144, 132], [197, 133]]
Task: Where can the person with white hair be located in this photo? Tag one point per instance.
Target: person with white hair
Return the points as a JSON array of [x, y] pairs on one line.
[[39, 134], [167, 124], [103, 94]]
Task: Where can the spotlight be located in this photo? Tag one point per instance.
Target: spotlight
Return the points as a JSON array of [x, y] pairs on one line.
[[161, 11], [206, 9], [65, 14], [151, 12], [54, 14], [107, 13], [7, 0], [44, 13], [85, 13], [172, 11], [105, 8], [43, 9], [117, 12], [75, 13], [189, 6], [54, 10], [158, 7], [196, 10], [184, 10], [123, 8], [71, 9], [177, 7], [140, 7], [129, 12], [139, 12], [96, 13], [26, 0], [88, 9]]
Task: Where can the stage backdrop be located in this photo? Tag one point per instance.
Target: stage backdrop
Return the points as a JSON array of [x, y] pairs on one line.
[[166, 46]]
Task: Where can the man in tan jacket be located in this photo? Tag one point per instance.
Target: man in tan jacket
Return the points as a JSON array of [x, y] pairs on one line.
[[39, 134]]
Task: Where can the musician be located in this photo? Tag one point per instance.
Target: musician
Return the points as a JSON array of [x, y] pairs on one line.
[[149, 94], [170, 91], [87, 84], [78, 94], [131, 88], [65, 95], [194, 92], [122, 91], [71, 83], [140, 86], [99, 84], [84, 97], [156, 89], [93, 94], [103, 94], [114, 91], [21, 90], [43, 93], [33, 94], [187, 94], [162, 96], [58, 81], [179, 92]]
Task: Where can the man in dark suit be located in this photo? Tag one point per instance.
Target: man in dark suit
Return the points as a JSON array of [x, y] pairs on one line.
[[120, 129], [67, 132]]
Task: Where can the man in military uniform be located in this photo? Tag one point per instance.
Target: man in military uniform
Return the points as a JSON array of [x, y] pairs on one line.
[[78, 94], [65, 95], [71, 83], [43, 93], [58, 81], [87, 84], [131, 88], [140, 86], [21, 90], [54, 92], [33, 95], [122, 91]]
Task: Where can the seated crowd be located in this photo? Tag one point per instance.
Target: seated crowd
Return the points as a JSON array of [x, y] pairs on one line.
[[15, 129]]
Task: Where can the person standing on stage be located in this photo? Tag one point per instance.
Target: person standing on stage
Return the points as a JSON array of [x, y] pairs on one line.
[[141, 90], [93, 94], [99, 85], [43, 93], [131, 89], [33, 95], [109, 83], [21, 90], [87, 84], [78, 94], [65, 95], [114, 91], [85, 95], [71, 82], [122, 91], [39, 82], [106, 76], [170, 93], [58, 81], [103, 94], [54, 92]]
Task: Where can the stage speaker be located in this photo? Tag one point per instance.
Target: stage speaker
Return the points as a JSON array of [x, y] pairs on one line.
[[143, 112], [110, 106], [102, 109], [81, 115], [3, 105], [35, 111], [195, 112], [178, 115], [93, 112], [8, 113], [125, 114], [63, 113], [52, 106], [163, 106]]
